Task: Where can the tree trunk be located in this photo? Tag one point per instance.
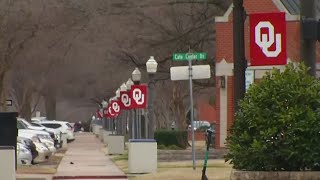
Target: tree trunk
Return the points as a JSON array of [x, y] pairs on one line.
[[50, 103], [2, 99], [179, 108], [25, 111]]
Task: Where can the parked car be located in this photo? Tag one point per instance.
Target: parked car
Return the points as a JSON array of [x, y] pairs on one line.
[[44, 152], [30, 145], [38, 119], [57, 133], [44, 136], [198, 125], [63, 126], [24, 156]]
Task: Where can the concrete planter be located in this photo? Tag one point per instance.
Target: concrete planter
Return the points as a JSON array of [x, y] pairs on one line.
[[64, 141], [96, 130], [142, 157], [115, 144], [274, 175], [101, 134], [106, 136], [8, 166]]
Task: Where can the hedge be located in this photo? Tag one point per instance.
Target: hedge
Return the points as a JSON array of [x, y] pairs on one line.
[[167, 138]]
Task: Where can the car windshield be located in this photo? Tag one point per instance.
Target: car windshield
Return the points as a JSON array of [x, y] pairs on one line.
[[68, 125], [20, 125], [34, 124], [26, 123]]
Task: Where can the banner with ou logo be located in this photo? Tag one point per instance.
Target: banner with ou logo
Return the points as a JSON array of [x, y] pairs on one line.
[[109, 112], [268, 39], [115, 107], [139, 96], [125, 101], [99, 113]]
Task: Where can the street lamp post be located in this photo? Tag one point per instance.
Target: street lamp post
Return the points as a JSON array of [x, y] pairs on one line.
[[123, 87], [110, 120], [129, 83], [151, 69], [136, 78], [104, 105], [119, 121]]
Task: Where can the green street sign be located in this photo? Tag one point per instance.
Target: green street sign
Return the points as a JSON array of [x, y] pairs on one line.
[[189, 56]]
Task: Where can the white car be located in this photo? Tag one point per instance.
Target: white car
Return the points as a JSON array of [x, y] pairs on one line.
[[24, 156], [44, 152], [38, 119], [56, 134], [63, 126], [42, 135]]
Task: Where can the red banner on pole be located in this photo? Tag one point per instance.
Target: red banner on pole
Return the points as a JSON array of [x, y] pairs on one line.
[[115, 107], [139, 96], [99, 113], [105, 112], [268, 39], [109, 112], [125, 101]]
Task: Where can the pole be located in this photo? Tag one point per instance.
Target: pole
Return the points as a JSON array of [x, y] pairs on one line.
[[150, 114], [140, 124], [130, 124], [137, 124], [308, 46], [111, 123], [146, 121], [133, 126], [238, 53], [191, 109]]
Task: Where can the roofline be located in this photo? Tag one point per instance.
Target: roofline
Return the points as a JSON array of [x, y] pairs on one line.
[[277, 3]]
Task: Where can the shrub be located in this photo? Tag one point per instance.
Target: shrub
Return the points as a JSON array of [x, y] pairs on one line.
[[278, 124], [172, 137]]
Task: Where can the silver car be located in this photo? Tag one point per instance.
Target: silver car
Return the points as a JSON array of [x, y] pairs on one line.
[[24, 156]]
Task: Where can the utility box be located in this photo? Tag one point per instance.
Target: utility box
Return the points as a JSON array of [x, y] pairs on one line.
[[142, 156], [8, 165], [8, 131], [115, 144]]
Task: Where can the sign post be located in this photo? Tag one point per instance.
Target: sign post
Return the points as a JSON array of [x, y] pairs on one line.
[[189, 57]]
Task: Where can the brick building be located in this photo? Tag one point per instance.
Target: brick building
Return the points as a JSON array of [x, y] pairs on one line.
[[224, 55]]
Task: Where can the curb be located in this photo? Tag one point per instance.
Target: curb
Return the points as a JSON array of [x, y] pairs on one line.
[[90, 177]]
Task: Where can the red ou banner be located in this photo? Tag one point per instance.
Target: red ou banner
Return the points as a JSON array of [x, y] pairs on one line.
[[125, 100], [105, 112], [115, 107], [99, 113], [268, 39], [109, 113], [139, 96]]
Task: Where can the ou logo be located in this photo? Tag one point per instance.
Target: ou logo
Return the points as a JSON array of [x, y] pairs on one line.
[[110, 112], [138, 96], [126, 101], [265, 41], [115, 107]]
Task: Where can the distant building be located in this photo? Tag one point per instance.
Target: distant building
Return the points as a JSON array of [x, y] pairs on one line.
[[224, 55]]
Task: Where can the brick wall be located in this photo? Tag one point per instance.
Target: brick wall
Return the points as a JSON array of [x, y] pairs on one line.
[[198, 136]]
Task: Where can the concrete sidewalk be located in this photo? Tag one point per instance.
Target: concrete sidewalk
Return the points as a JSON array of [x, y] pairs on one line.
[[85, 160]]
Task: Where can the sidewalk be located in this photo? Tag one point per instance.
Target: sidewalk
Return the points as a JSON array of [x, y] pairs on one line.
[[85, 160]]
